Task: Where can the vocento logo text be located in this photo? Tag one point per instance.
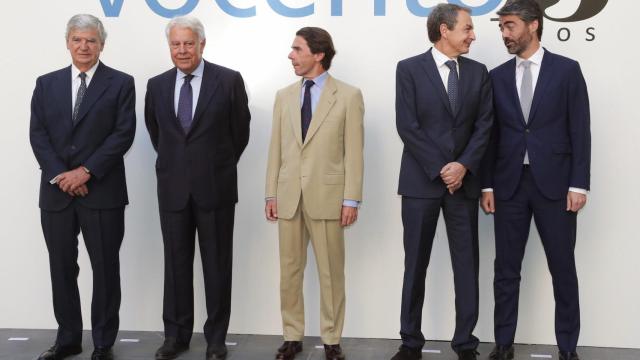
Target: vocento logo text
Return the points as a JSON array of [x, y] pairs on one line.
[[112, 8]]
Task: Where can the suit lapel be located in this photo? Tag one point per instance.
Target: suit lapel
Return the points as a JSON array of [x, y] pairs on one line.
[[513, 92], [63, 96], [208, 88], [168, 97], [463, 83], [293, 98], [429, 66], [546, 73], [100, 82], [325, 103]]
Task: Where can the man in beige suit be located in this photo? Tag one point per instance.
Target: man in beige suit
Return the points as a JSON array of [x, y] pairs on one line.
[[314, 185]]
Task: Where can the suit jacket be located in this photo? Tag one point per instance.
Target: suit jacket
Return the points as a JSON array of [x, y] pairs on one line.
[[556, 135], [432, 133], [327, 168], [201, 163], [101, 136]]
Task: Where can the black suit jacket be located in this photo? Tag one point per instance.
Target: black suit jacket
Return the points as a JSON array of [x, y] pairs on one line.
[[202, 163], [557, 134], [432, 133], [102, 135]]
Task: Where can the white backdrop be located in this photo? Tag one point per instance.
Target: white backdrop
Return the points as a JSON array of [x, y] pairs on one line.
[[368, 50]]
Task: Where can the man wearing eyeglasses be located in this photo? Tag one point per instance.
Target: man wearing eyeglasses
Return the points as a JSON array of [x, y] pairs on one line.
[[198, 121]]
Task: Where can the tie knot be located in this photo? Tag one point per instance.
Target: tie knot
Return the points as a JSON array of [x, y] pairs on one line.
[[451, 64], [83, 75], [309, 83], [526, 64], [187, 78]]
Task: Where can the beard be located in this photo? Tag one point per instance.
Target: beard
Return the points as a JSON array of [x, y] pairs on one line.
[[517, 46]]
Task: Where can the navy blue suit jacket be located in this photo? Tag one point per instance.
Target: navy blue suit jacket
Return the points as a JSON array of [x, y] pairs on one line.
[[556, 136], [202, 163], [101, 136], [433, 135]]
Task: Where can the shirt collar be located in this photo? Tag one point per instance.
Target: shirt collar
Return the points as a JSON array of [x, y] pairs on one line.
[[535, 59], [75, 71], [196, 73], [440, 58], [319, 80]]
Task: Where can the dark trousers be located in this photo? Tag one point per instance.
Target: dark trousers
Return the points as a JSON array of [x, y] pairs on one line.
[[102, 231], [420, 218], [215, 237], [557, 228]]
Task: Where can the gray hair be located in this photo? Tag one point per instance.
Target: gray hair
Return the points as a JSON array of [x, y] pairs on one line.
[[188, 22], [86, 22], [526, 10], [443, 14]]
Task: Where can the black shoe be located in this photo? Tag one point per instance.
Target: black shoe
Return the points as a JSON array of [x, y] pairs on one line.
[[407, 353], [501, 352], [216, 352], [57, 352], [469, 354], [333, 352], [170, 349], [564, 355], [102, 353], [288, 350]]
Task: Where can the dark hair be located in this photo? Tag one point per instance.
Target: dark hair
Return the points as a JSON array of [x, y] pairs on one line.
[[319, 41], [526, 10], [443, 14]]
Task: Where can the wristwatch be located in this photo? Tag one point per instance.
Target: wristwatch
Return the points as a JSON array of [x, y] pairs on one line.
[[86, 170]]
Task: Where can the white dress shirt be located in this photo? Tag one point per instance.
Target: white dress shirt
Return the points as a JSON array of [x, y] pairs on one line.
[[76, 81], [443, 69], [196, 83]]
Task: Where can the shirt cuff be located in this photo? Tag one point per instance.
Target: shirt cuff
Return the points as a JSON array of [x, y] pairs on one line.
[[54, 180], [487, 190], [269, 198], [578, 190], [350, 203]]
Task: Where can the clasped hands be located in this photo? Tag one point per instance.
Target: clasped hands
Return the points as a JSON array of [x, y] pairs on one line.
[[452, 175], [74, 182]]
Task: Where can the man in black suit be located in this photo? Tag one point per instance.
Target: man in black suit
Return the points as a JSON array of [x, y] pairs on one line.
[[537, 165], [444, 117], [82, 123], [198, 120]]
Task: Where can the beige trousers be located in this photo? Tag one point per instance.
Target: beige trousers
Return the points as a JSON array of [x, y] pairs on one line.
[[327, 239]]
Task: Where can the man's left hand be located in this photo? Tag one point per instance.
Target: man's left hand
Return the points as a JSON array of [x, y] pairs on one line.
[[71, 180], [349, 215], [575, 201]]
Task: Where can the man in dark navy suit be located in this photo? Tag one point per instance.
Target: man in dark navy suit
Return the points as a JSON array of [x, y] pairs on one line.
[[82, 123], [444, 117], [538, 164], [198, 120]]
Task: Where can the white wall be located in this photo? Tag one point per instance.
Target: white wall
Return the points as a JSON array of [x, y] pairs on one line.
[[368, 49]]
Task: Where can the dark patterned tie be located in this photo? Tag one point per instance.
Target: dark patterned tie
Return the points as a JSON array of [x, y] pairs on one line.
[[306, 108], [185, 104], [452, 85], [79, 96]]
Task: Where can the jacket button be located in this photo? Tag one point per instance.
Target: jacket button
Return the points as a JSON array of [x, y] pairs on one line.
[[73, 147], [526, 130]]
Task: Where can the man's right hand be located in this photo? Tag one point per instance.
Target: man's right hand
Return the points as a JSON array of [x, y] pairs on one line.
[[488, 202], [271, 210]]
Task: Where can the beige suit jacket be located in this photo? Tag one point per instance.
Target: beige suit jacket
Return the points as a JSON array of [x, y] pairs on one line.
[[327, 168]]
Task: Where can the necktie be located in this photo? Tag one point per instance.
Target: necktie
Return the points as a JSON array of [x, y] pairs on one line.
[[452, 84], [79, 96], [306, 108], [185, 104], [526, 90]]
